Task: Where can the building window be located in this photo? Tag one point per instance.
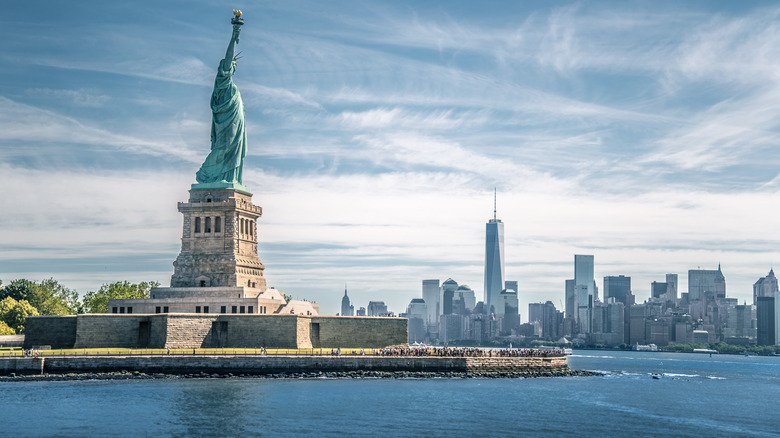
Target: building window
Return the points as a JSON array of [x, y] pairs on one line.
[[197, 309], [218, 224], [208, 225], [251, 309], [205, 309], [165, 309], [203, 283], [129, 310], [157, 309], [234, 309], [197, 225], [223, 309], [113, 310], [121, 310], [243, 309]]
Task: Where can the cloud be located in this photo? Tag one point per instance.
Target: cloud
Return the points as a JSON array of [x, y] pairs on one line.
[[644, 135], [26, 124], [400, 119], [273, 97], [725, 135], [166, 68], [81, 97]]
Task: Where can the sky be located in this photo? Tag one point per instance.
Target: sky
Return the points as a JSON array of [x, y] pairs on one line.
[[643, 133]]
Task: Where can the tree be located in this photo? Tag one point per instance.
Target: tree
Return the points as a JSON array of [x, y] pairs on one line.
[[14, 313], [97, 302], [18, 289], [49, 297], [52, 298], [5, 330]]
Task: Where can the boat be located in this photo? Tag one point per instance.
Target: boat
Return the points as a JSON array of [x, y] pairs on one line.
[[649, 347]]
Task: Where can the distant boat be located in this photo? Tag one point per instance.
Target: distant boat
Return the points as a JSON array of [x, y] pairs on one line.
[[705, 351], [649, 347], [565, 351], [749, 353]]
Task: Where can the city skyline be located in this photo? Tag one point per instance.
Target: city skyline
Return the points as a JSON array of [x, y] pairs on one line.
[[645, 135]]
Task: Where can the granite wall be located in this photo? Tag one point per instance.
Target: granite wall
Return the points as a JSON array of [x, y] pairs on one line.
[[55, 331], [214, 331], [359, 332], [114, 331]]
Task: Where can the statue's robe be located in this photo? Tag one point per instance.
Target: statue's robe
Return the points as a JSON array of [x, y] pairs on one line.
[[228, 136]]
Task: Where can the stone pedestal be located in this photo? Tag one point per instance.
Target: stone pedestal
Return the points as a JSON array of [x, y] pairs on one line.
[[219, 241]]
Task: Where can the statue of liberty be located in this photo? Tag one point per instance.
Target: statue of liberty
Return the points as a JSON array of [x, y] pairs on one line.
[[225, 162]]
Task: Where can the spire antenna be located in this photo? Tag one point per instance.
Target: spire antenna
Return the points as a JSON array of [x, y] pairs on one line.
[[494, 204]]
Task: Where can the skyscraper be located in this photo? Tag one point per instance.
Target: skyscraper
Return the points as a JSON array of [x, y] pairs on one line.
[[777, 318], [584, 288], [765, 286], [765, 320], [346, 308], [571, 301], [377, 308], [617, 287], [671, 287], [701, 281], [431, 295], [507, 311], [494, 261], [464, 301], [658, 289], [448, 289], [416, 312], [535, 312]]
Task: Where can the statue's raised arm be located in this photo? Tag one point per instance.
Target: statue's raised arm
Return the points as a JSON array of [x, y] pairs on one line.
[[228, 136], [230, 53]]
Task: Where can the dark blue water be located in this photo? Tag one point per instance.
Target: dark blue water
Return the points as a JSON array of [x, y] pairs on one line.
[[696, 396]]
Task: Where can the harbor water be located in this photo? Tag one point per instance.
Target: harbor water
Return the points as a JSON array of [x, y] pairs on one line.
[[640, 394]]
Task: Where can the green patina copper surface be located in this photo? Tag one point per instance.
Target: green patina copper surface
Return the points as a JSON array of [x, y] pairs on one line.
[[224, 164]]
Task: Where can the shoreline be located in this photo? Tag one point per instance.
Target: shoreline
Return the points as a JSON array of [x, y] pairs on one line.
[[330, 375], [314, 366]]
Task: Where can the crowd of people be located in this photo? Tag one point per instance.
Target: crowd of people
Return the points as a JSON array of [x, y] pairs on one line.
[[33, 352], [469, 352]]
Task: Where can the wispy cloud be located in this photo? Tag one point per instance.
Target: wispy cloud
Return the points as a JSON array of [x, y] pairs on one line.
[[80, 97], [644, 134], [25, 124]]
